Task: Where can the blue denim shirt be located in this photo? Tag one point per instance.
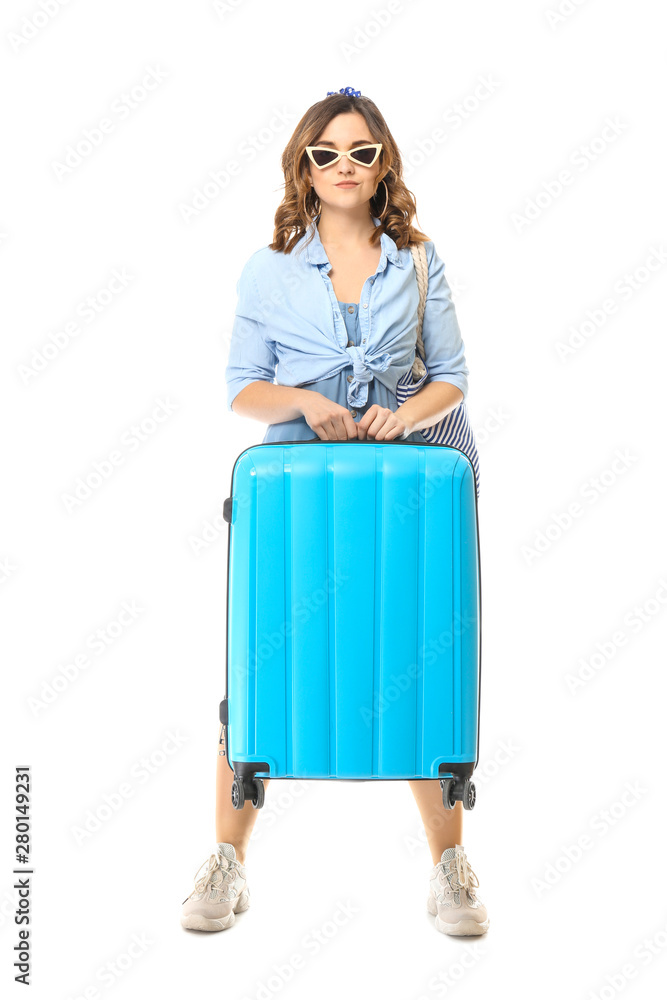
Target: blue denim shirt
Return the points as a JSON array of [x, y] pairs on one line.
[[288, 325], [335, 388]]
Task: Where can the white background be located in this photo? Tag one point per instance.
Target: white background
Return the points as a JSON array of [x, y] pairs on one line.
[[548, 429]]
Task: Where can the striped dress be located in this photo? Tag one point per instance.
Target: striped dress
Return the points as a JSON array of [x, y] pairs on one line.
[[454, 430]]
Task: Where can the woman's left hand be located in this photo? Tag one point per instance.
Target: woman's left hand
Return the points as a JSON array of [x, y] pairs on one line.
[[383, 424]]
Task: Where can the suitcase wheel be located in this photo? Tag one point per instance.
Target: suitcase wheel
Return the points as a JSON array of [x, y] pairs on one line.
[[447, 785], [238, 793], [452, 790], [258, 797], [253, 788]]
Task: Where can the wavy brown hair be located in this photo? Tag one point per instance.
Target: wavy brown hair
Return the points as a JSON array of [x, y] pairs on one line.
[[300, 203]]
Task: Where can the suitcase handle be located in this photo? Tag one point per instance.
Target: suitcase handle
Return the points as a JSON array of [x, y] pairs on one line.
[[366, 440]]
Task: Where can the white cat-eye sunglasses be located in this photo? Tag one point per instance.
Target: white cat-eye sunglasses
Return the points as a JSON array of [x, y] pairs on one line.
[[324, 156]]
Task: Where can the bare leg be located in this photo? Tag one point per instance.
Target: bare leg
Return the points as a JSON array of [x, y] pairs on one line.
[[443, 827], [232, 826]]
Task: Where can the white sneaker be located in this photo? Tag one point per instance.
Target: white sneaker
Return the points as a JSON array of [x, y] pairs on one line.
[[219, 893], [452, 896]]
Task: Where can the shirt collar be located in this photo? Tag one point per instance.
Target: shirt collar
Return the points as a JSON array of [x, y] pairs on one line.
[[316, 254]]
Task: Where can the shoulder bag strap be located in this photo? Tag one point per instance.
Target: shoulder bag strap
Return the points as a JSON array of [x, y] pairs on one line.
[[421, 272]]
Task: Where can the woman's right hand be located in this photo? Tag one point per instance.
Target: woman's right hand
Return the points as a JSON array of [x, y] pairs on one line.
[[330, 421]]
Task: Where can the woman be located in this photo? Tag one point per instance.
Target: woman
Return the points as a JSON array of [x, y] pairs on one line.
[[329, 308]]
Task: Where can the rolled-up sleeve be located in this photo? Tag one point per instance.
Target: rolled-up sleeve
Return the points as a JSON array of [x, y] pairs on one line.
[[444, 349], [251, 357]]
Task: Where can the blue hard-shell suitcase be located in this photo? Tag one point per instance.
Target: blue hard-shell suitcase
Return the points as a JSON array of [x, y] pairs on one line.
[[353, 615]]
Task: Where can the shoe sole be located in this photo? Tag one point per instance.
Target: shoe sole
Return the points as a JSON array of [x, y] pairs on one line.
[[197, 922], [462, 928]]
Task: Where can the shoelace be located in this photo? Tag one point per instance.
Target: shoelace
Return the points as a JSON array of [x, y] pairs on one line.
[[213, 865], [464, 872]]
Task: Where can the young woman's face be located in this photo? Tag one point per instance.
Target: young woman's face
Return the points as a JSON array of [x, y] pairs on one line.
[[344, 132]]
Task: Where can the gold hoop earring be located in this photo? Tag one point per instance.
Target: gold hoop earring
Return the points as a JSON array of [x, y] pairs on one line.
[[386, 199], [316, 211]]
